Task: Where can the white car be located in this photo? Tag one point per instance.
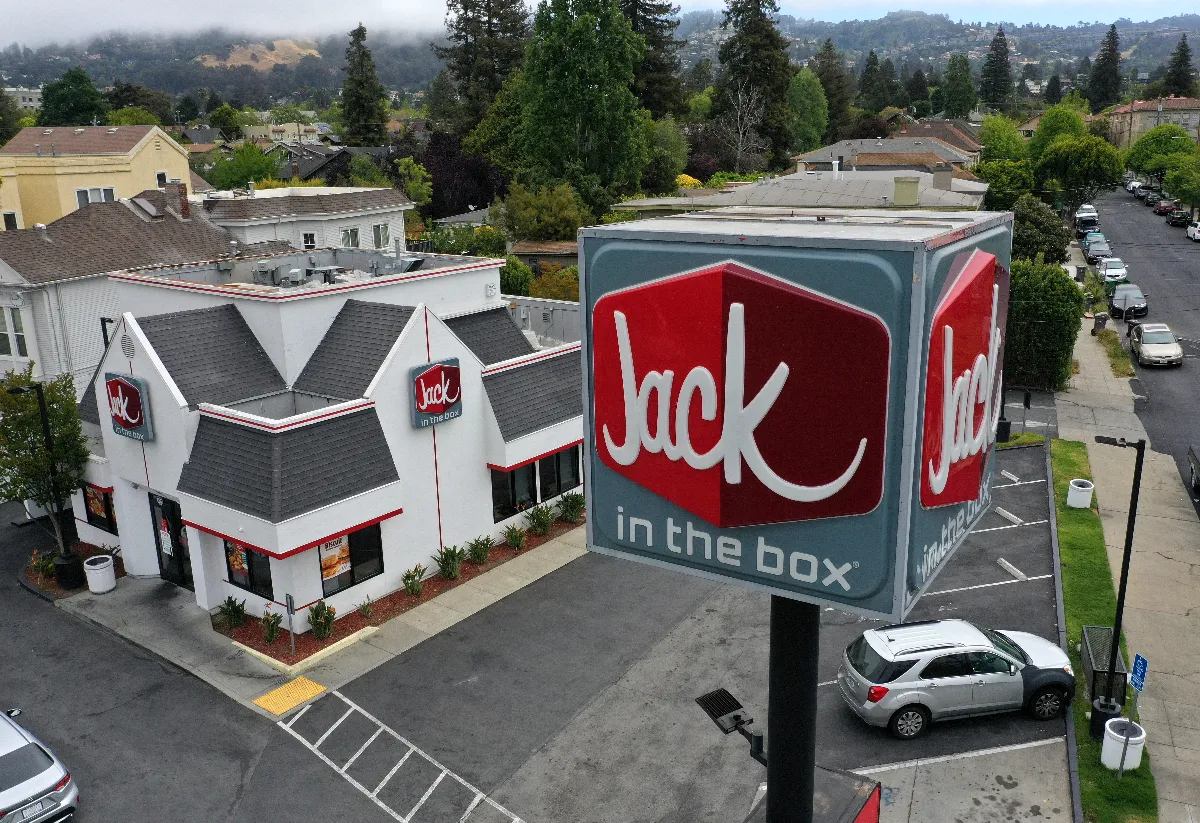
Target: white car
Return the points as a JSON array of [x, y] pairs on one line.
[[1193, 231], [1133, 186], [1113, 269], [1155, 344], [1086, 210], [35, 787]]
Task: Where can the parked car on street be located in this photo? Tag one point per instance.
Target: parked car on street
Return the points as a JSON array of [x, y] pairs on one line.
[[1086, 224], [1146, 191], [1166, 206], [1085, 209], [35, 787], [1154, 344], [1132, 186], [1127, 297], [905, 676], [1193, 231], [1113, 268], [1091, 237], [1152, 200], [1179, 217], [1097, 251]]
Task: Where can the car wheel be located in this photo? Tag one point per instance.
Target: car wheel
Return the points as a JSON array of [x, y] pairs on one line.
[[910, 722], [1048, 703]]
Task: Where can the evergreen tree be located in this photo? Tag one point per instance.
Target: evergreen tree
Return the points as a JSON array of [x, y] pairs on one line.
[[444, 106], [72, 100], [656, 78], [1180, 80], [487, 43], [995, 82], [871, 95], [364, 99], [917, 86], [1104, 86], [1053, 92], [698, 77], [831, 71], [959, 87], [187, 109], [10, 116], [755, 57], [894, 91], [809, 109]]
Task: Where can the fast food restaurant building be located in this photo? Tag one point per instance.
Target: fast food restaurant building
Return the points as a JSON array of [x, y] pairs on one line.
[[316, 423]]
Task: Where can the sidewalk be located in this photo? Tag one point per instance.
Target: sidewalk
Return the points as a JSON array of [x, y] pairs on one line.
[[165, 620], [1162, 611]]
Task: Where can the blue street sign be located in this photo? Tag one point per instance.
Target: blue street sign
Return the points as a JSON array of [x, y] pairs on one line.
[[1137, 677]]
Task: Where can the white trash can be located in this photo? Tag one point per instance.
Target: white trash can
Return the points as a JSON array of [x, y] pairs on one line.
[[101, 574], [1114, 741], [1079, 494]]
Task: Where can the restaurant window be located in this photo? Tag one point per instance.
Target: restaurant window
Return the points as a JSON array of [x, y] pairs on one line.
[[98, 504], [513, 491], [249, 570], [380, 234], [559, 472], [350, 238], [310, 240], [350, 559]]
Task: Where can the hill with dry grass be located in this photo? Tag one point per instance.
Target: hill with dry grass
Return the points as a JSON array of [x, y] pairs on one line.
[[262, 56]]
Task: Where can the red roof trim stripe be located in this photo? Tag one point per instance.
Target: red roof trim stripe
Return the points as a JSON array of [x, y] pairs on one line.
[[295, 424]]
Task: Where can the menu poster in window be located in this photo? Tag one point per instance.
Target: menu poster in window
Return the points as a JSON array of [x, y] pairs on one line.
[[94, 498], [164, 536], [335, 557], [237, 558]]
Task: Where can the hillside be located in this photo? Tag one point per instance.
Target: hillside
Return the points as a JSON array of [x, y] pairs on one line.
[[262, 56]]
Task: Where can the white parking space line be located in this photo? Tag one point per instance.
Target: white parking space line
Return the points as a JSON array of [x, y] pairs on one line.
[[1007, 515], [989, 585], [372, 794], [1010, 475], [1020, 483], [1011, 569], [949, 758], [298, 715], [1014, 526], [827, 683]]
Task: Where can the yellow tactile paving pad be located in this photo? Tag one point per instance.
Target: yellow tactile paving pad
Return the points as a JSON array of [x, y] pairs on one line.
[[289, 695]]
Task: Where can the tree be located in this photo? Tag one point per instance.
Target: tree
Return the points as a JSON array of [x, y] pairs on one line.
[[1000, 139], [364, 171], [897, 95], [738, 129], [227, 120], [126, 95], [1180, 79], [831, 71], [699, 77], [1161, 140], [917, 86], [656, 82], [515, 277], [72, 100], [24, 462], [995, 82], [247, 163], [756, 57], [959, 87], [810, 112], [1037, 230], [668, 150], [1053, 91], [498, 138], [556, 283], [545, 213], [1045, 311], [133, 116], [580, 118], [188, 110], [1057, 121], [288, 113], [486, 46], [1007, 181], [1184, 180], [871, 94], [414, 181], [10, 118], [212, 102], [364, 99], [1081, 166], [1104, 85], [446, 110]]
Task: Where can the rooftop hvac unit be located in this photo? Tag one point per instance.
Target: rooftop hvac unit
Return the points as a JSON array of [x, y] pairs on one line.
[[326, 273], [409, 263]]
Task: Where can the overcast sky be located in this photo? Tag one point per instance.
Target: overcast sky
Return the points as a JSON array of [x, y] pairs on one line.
[[35, 23]]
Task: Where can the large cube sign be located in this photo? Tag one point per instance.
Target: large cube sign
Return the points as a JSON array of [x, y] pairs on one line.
[[437, 393], [129, 406], [816, 422]]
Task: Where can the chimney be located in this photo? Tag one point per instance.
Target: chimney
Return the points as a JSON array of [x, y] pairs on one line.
[[943, 173], [834, 164], [177, 197], [233, 248], [907, 194]]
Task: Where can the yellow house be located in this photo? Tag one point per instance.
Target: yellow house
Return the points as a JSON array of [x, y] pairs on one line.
[[48, 172]]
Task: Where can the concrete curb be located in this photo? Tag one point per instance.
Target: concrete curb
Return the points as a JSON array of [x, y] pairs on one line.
[[1072, 750], [314, 658], [32, 589]]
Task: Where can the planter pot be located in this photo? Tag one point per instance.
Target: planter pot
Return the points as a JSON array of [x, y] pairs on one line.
[[101, 574], [1114, 742], [1079, 494]]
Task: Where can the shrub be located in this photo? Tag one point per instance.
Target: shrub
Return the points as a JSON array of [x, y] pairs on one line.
[[718, 180], [479, 549], [321, 616], [514, 536], [42, 564], [557, 284], [570, 507], [271, 621], [367, 607], [449, 561], [515, 277], [539, 518], [414, 580], [233, 612], [1044, 315], [686, 181]]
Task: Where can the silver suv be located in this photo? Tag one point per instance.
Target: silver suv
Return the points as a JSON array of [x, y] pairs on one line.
[[907, 675]]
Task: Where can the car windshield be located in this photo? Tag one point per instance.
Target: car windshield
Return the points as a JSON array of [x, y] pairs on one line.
[[867, 662], [22, 764], [1005, 644], [1114, 263], [1154, 338]]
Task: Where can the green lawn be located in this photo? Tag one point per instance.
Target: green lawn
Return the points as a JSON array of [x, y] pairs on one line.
[[1118, 358], [1089, 599], [1022, 439]]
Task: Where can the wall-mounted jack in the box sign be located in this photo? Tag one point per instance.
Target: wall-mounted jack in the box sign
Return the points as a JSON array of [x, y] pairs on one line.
[[730, 716]]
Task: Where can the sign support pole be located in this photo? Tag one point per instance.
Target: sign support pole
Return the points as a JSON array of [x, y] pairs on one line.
[[792, 710]]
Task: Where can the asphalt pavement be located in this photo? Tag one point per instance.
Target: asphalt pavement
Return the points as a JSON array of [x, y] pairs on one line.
[[1166, 265]]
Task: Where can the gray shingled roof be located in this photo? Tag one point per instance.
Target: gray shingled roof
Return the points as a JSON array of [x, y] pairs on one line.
[[532, 397], [89, 412], [353, 349], [276, 476], [212, 355], [260, 207], [846, 149], [492, 335]]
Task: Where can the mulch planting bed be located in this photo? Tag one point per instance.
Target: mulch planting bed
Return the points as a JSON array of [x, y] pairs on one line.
[[382, 610], [46, 584]]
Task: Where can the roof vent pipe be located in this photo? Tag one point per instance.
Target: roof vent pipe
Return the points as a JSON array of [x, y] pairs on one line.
[[836, 174]]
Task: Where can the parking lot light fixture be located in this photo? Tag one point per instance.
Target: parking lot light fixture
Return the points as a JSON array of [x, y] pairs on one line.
[[730, 716]]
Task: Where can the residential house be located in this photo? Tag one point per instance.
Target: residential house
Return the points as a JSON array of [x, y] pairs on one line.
[[474, 217], [845, 154], [320, 161], [311, 217], [535, 253], [46, 173], [1028, 128], [947, 132], [283, 132], [203, 134], [1129, 122], [26, 99]]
